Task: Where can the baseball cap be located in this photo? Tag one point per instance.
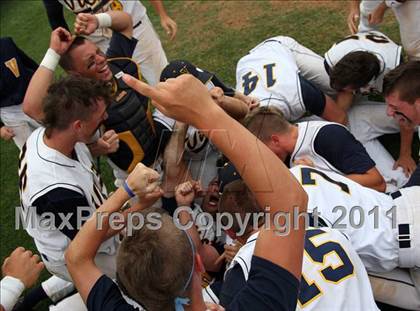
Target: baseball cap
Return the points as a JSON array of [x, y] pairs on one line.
[[226, 175], [178, 67]]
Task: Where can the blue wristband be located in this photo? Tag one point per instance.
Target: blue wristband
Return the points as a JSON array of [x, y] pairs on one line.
[[128, 190]]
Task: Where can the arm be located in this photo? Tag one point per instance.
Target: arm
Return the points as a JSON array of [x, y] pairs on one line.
[[354, 15], [377, 16], [343, 151], [20, 270], [37, 89], [233, 106], [174, 166], [81, 253], [405, 160], [118, 21], [187, 100], [371, 179], [184, 195], [167, 23]]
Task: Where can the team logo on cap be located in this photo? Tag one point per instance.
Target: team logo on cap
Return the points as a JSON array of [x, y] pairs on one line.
[[13, 66]]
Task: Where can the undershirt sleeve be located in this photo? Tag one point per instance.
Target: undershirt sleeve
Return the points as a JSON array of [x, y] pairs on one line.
[[67, 202], [105, 295], [313, 98], [339, 147], [269, 287]]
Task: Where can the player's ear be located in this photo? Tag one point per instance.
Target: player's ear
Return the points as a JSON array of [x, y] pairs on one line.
[[77, 125], [274, 138], [199, 266]]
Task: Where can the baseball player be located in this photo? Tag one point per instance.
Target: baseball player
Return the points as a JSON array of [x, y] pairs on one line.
[[369, 121], [149, 53], [270, 73], [322, 287], [200, 154], [56, 172], [16, 70], [324, 145], [407, 14], [130, 114], [187, 100], [359, 63], [381, 228]]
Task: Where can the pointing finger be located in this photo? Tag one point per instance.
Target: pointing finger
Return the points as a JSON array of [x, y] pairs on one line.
[[142, 87]]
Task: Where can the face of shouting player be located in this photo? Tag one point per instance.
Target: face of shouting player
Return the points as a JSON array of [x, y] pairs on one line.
[[404, 112], [212, 197], [90, 62]]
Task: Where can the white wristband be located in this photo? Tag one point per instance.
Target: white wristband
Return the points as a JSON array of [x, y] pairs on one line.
[[104, 20], [50, 60], [11, 289]]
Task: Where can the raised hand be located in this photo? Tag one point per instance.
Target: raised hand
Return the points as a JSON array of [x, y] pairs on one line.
[[23, 265], [85, 24], [60, 41], [185, 98], [143, 181]]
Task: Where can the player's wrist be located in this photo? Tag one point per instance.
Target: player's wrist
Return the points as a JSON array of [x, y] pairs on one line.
[[103, 20], [128, 189], [51, 59], [11, 289]]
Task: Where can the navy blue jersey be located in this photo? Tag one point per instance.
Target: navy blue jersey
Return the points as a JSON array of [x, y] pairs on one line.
[[16, 70], [269, 287], [337, 145]]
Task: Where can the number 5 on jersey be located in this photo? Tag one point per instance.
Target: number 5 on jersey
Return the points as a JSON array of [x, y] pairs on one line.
[[251, 79]]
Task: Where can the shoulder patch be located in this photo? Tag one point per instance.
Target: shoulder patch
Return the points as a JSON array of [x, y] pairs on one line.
[[13, 66]]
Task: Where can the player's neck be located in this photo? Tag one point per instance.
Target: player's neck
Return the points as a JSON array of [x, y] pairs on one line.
[[61, 142], [197, 302], [292, 139]]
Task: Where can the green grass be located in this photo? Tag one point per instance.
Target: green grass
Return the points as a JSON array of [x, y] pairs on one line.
[[211, 34]]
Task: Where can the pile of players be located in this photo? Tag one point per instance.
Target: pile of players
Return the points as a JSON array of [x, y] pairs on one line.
[[353, 235]]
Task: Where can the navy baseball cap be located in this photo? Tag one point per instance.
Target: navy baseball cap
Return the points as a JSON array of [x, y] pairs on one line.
[[226, 175], [178, 67]]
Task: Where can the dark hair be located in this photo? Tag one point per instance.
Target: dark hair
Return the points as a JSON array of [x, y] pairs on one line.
[[154, 265], [264, 121], [72, 98], [238, 199], [406, 80], [66, 61], [356, 69]]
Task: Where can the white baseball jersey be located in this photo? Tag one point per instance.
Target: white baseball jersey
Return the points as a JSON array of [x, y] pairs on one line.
[[331, 272], [366, 216], [387, 52], [43, 169], [269, 72], [307, 132]]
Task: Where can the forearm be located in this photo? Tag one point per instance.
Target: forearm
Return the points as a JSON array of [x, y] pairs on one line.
[[265, 174], [371, 179], [159, 8], [36, 92], [87, 241], [354, 4], [121, 22], [406, 135], [235, 107]]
